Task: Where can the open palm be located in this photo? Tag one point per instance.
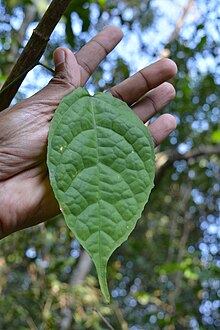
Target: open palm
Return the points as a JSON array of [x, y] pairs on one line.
[[26, 197]]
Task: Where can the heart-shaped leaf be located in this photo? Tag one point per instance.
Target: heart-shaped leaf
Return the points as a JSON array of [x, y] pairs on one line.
[[101, 167]]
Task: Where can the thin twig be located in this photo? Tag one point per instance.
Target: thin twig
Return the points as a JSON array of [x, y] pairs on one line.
[[30, 12], [119, 316], [46, 67], [181, 21], [104, 319], [4, 89]]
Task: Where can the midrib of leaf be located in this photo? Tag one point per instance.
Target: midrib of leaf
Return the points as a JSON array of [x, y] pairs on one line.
[[102, 276]]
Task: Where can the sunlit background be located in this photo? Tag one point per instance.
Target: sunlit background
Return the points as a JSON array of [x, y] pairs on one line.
[[166, 276]]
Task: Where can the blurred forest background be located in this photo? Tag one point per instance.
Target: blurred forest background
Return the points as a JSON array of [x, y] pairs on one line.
[[166, 276]]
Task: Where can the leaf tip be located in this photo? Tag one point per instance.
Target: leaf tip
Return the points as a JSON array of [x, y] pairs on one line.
[[102, 272], [106, 296]]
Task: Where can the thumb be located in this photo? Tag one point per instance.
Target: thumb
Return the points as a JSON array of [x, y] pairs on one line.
[[66, 67], [66, 78]]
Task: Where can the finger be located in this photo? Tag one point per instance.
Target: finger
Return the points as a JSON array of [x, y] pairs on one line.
[[131, 89], [154, 101], [162, 127], [89, 56], [72, 71]]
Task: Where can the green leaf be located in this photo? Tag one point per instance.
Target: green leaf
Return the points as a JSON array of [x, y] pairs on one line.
[[215, 137], [101, 167], [3, 78]]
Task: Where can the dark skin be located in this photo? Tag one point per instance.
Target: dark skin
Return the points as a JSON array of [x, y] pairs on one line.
[[26, 197]]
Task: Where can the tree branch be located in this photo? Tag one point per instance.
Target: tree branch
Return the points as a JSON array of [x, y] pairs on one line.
[[165, 159], [178, 26], [180, 21], [77, 277], [33, 50], [183, 236], [30, 12], [82, 270]]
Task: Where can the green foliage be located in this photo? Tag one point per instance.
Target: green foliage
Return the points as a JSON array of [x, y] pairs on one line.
[[167, 275], [101, 165], [215, 137]]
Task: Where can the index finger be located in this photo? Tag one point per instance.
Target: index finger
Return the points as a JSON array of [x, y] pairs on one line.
[[90, 55]]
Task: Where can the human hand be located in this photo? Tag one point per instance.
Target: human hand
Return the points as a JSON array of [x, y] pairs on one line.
[[26, 197]]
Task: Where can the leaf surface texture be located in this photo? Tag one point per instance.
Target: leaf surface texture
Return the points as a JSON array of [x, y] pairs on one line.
[[101, 167]]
